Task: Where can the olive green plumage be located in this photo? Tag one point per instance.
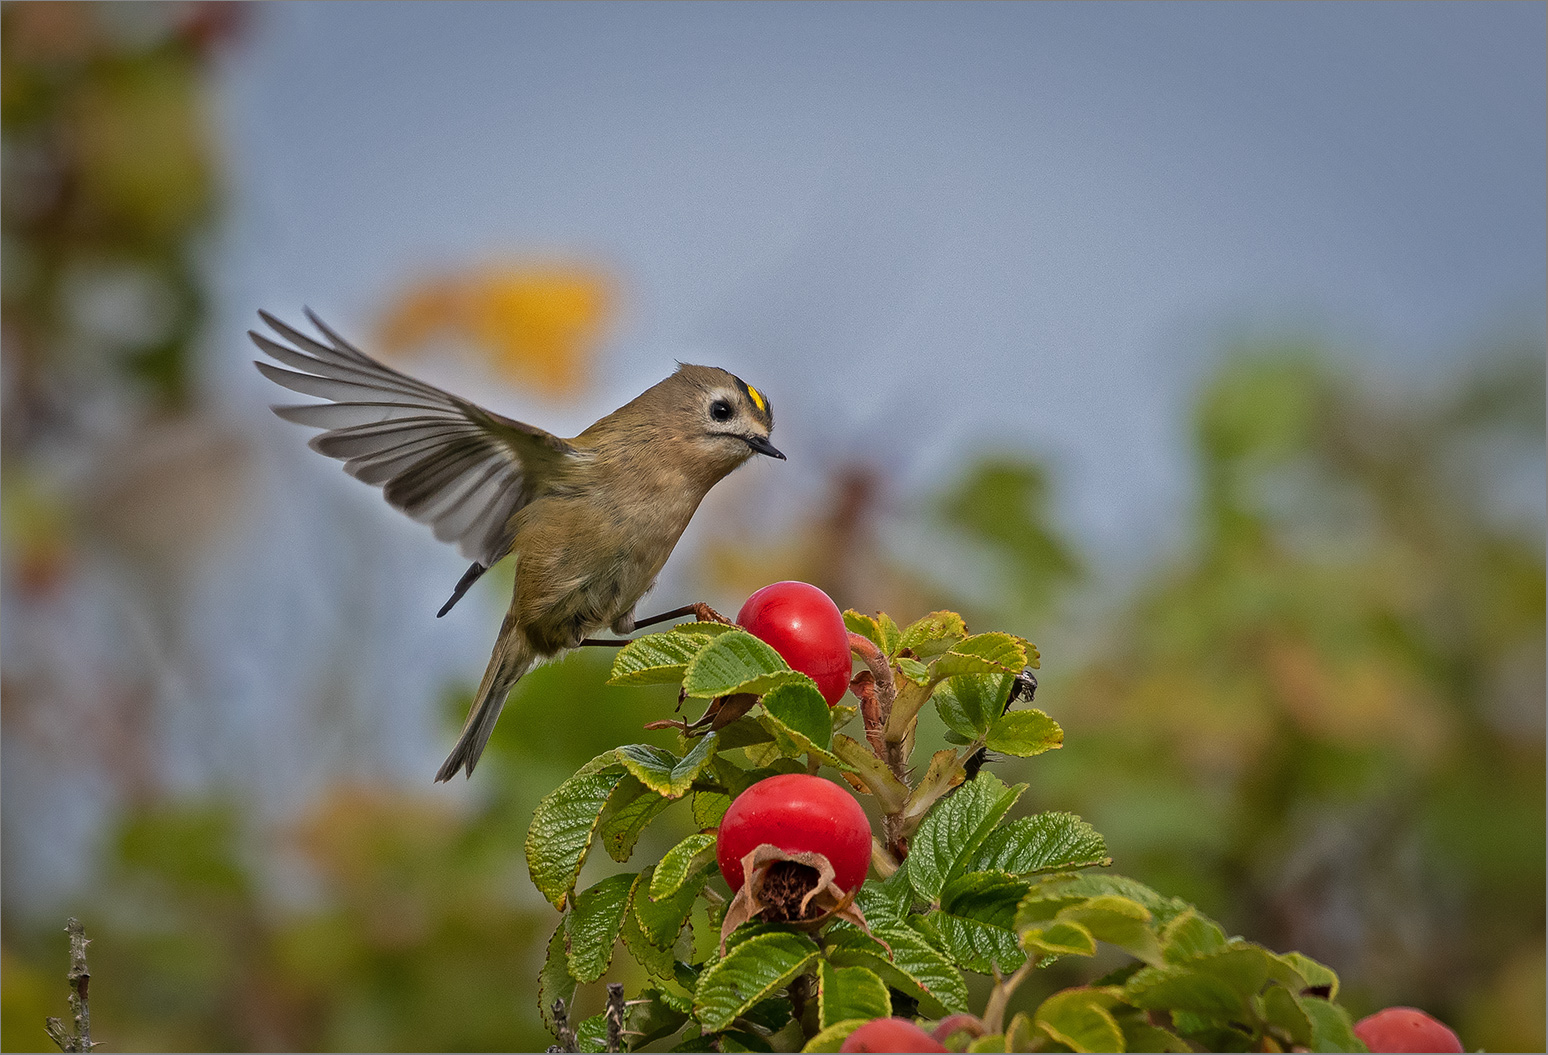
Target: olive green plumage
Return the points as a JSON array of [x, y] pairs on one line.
[[590, 520]]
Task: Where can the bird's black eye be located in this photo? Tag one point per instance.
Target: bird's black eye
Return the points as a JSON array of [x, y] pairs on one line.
[[720, 410]]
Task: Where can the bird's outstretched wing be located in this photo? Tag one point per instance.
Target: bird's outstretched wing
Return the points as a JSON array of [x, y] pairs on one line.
[[444, 461]]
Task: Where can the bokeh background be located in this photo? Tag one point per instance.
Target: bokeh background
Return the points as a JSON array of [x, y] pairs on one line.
[[1203, 345]]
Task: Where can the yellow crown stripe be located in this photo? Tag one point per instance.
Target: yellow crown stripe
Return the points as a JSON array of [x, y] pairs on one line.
[[757, 398]]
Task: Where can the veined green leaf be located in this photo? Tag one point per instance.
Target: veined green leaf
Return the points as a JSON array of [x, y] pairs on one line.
[[709, 807], [656, 659], [735, 661], [863, 625], [709, 629], [564, 822], [744, 732], [1282, 1010], [1081, 1020], [591, 926], [891, 638], [932, 635], [1312, 972], [915, 967], [693, 854], [1024, 733], [1183, 987], [953, 830], [912, 669], [1190, 934], [662, 919], [800, 713], [969, 703], [554, 979], [1331, 1027], [993, 653], [591, 1034], [630, 808], [845, 993], [748, 973], [658, 961], [1043, 842], [1058, 938], [662, 771]]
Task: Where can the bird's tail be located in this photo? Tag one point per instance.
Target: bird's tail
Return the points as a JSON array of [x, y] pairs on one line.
[[512, 658]]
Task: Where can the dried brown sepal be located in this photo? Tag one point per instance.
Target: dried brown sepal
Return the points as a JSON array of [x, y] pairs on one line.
[[795, 887], [728, 709]]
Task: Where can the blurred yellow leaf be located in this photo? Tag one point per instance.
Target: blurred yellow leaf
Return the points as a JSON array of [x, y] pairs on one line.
[[539, 324]]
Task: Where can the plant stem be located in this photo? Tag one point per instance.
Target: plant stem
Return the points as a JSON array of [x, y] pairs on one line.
[[79, 979]]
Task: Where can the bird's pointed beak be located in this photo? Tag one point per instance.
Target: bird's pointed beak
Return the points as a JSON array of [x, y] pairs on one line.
[[763, 446]]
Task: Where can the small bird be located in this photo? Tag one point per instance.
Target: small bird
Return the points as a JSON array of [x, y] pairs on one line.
[[590, 520]]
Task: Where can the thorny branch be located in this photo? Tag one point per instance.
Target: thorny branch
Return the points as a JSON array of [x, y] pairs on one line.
[[79, 978]]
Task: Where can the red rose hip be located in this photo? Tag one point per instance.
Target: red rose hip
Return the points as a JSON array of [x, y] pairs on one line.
[[1405, 1029], [890, 1034], [805, 627], [797, 813]]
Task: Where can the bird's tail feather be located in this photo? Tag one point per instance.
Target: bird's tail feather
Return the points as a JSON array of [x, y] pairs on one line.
[[512, 658]]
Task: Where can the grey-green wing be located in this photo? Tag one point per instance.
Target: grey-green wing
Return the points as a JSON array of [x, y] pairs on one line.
[[444, 461]]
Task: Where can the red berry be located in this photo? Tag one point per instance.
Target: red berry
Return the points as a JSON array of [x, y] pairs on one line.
[[1405, 1029], [804, 626], [797, 812], [890, 1034]]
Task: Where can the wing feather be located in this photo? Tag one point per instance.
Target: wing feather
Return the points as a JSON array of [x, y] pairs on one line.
[[445, 462]]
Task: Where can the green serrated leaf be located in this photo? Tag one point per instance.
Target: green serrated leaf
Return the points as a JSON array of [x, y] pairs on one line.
[[953, 830], [845, 993], [863, 625], [658, 962], [748, 973], [1331, 1028], [832, 1038], [554, 979], [915, 967], [591, 1034], [1061, 890], [913, 669], [890, 637], [974, 945], [1044, 842], [630, 808], [662, 919], [932, 635], [563, 824], [656, 659], [744, 732], [591, 926], [694, 854], [1283, 1011], [655, 1014], [709, 807], [1080, 1019], [1118, 921], [969, 703], [1140, 1035], [734, 662], [1312, 972], [662, 771], [993, 653], [1179, 987], [1189, 935], [1059, 938], [1024, 734], [800, 713]]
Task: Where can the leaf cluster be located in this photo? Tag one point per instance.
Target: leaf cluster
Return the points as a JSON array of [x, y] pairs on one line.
[[960, 885]]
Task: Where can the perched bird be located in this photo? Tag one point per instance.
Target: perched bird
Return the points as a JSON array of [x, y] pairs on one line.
[[590, 520]]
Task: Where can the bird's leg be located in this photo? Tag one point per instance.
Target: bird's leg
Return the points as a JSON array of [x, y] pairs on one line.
[[699, 610]]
